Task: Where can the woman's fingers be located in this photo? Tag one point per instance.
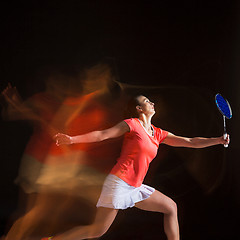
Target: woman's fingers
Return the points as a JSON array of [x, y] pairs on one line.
[[57, 138], [61, 139], [225, 139]]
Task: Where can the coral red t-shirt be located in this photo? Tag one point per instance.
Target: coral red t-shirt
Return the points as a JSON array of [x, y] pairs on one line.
[[138, 150]]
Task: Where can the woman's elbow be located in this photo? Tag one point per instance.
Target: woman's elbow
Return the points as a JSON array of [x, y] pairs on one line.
[[195, 143], [101, 136], [191, 143]]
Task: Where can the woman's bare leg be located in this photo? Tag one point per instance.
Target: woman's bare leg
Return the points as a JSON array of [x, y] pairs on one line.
[[159, 202], [103, 221]]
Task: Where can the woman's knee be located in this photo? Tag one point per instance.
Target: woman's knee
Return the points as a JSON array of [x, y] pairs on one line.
[[97, 231], [172, 208]]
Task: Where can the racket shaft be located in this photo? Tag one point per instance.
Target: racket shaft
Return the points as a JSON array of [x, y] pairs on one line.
[[224, 130]]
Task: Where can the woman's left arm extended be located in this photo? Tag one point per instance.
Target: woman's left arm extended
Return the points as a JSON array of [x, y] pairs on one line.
[[195, 142]]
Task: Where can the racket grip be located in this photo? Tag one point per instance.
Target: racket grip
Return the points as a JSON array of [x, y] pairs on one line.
[[225, 137]]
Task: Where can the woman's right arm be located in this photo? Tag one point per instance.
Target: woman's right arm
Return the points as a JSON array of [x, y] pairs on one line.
[[95, 136]]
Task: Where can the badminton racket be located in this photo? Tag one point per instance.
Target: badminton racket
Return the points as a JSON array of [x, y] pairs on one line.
[[226, 111]]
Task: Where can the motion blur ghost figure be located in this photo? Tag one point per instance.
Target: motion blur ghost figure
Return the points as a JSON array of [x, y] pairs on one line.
[[51, 173]]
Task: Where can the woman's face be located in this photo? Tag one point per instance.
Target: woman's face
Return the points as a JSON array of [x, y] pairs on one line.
[[145, 106]]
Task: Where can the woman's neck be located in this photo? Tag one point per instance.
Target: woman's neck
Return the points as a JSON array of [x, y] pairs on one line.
[[146, 120]]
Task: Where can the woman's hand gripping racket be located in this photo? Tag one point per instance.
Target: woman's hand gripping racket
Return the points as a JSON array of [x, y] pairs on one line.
[[225, 109]]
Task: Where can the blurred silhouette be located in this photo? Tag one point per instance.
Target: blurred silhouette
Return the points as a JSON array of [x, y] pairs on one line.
[[56, 179]]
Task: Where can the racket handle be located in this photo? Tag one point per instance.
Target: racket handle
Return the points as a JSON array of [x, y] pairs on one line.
[[225, 137]]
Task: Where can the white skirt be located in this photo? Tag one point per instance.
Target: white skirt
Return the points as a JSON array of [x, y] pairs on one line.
[[118, 194]]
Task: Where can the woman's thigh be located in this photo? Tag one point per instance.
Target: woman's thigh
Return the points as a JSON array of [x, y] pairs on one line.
[[157, 202]]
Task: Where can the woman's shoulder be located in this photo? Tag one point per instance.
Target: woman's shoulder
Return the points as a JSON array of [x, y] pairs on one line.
[[132, 123], [130, 120], [160, 133]]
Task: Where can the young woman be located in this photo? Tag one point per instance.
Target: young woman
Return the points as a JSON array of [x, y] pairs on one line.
[[123, 187]]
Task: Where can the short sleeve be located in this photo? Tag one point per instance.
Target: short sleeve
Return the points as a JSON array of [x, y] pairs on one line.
[[131, 123], [161, 135]]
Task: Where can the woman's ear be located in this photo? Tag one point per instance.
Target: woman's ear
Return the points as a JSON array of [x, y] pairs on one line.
[[138, 108]]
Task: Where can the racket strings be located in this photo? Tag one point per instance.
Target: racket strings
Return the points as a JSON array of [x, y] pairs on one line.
[[223, 106]]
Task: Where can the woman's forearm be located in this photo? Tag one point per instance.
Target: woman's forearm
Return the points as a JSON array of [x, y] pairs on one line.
[[200, 142], [94, 136]]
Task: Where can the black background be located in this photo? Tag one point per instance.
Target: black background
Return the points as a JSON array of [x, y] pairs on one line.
[[190, 44]]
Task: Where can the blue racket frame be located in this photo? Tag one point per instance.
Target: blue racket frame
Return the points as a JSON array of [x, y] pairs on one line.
[[225, 109]]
